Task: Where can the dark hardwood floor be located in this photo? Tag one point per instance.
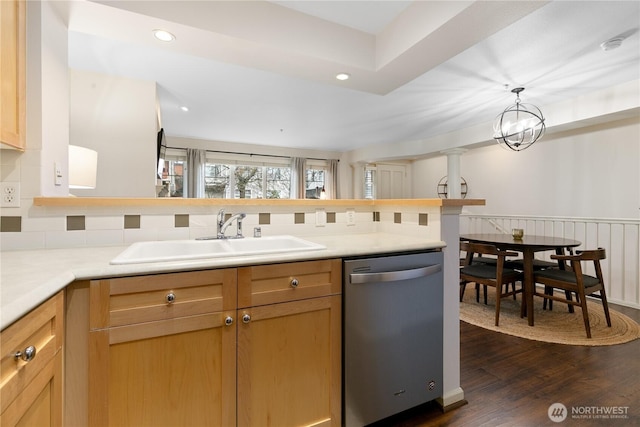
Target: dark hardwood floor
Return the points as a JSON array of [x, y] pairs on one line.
[[510, 381]]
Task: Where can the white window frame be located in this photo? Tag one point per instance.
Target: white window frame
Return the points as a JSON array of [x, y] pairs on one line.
[[239, 159]]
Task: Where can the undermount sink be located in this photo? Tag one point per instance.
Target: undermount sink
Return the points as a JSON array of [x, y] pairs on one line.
[[182, 250]]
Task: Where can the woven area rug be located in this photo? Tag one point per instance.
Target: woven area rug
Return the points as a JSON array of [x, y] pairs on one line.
[[557, 326]]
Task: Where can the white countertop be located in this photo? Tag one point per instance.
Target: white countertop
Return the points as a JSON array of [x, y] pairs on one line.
[[28, 278]]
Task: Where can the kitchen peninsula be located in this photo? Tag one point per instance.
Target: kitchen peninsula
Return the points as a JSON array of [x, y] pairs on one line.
[[24, 287]]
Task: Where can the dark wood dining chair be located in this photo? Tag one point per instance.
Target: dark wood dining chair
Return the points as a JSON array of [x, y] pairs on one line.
[[495, 275], [540, 264], [575, 282], [468, 258]]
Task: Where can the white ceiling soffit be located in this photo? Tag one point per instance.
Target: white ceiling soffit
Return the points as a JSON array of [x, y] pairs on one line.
[[271, 37], [228, 79]]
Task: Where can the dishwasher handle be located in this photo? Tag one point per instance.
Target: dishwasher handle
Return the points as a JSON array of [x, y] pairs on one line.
[[394, 276]]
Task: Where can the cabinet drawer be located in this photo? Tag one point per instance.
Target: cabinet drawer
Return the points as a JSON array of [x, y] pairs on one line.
[[129, 300], [268, 284], [43, 329]]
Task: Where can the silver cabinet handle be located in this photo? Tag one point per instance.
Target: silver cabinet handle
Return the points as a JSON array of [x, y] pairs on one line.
[[228, 321], [394, 276], [170, 298], [294, 283], [27, 355], [246, 318]]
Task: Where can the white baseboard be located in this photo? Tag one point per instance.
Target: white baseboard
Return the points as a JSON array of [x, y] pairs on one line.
[[454, 398]]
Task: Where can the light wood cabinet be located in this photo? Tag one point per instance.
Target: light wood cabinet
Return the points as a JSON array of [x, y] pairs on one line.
[[160, 350], [252, 346], [12, 73], [31, 382], [289, 344]]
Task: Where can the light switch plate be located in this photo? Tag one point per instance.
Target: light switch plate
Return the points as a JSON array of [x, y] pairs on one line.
[[321, 218], [351, 217], [57, 172]]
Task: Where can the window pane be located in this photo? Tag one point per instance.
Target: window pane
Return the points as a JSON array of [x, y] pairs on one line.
[[278, 182], [248, 182], [216, 181], [314, 183], [369, 184], [172, 179]]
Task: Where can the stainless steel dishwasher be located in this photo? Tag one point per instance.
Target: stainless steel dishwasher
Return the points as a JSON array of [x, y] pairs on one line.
[[392, 335]]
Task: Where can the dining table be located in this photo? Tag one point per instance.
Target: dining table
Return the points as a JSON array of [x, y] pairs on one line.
[[528, 245]]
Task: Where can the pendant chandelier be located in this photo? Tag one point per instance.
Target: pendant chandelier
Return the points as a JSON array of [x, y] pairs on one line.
[[519, 125]]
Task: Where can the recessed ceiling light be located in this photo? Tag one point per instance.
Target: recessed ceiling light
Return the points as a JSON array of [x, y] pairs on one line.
[[164, 35], [343, 76], [184, 108]]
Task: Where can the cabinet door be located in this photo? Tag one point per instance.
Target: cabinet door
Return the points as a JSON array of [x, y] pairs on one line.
[[12, 72], [165, 373], [289, 367], [31, 387]]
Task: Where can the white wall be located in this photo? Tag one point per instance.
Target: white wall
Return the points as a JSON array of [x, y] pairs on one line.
[[116, 117], [588, 172]]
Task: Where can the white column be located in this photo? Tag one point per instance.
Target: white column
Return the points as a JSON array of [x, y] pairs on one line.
[[453, 395], [453, 172]]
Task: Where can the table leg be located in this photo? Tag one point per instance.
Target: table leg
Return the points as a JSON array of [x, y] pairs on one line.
[[529, 285]]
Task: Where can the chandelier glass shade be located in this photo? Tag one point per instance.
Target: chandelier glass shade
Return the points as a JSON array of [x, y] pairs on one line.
[[519, 125]]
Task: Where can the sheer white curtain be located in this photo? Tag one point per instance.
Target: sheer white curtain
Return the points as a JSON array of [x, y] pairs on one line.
[[331, 182], [196, 160], [298, 177]]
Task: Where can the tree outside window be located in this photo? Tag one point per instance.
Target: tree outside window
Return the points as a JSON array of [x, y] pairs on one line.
[[278, 182], [248, 182], [224, 180], [314, 183], [216, 180]]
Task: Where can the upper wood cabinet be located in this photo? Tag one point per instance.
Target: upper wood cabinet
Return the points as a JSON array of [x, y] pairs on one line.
[[31, 377], [12, 73]]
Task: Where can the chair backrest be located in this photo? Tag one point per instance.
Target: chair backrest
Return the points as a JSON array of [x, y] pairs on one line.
[[478, 248], [592, 255]]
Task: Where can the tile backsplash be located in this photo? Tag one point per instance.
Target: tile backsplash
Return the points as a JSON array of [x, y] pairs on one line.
[[62, 227]]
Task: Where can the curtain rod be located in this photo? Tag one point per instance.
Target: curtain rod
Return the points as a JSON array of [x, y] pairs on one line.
[[251, 154]]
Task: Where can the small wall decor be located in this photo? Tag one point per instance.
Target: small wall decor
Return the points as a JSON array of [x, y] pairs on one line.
[[442, 187]]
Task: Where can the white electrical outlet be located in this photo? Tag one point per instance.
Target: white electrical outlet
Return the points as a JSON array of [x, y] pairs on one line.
[[351, 217], [10, 195], [321, 218]]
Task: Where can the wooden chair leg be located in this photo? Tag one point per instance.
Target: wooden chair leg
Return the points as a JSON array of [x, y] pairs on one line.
[[585, 313], [570, 298], [498, 294], [605, 306], [548, 290], [463, 287]]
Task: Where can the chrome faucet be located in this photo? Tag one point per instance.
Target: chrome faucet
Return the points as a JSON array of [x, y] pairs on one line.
[[219, 224], [223, 225]]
